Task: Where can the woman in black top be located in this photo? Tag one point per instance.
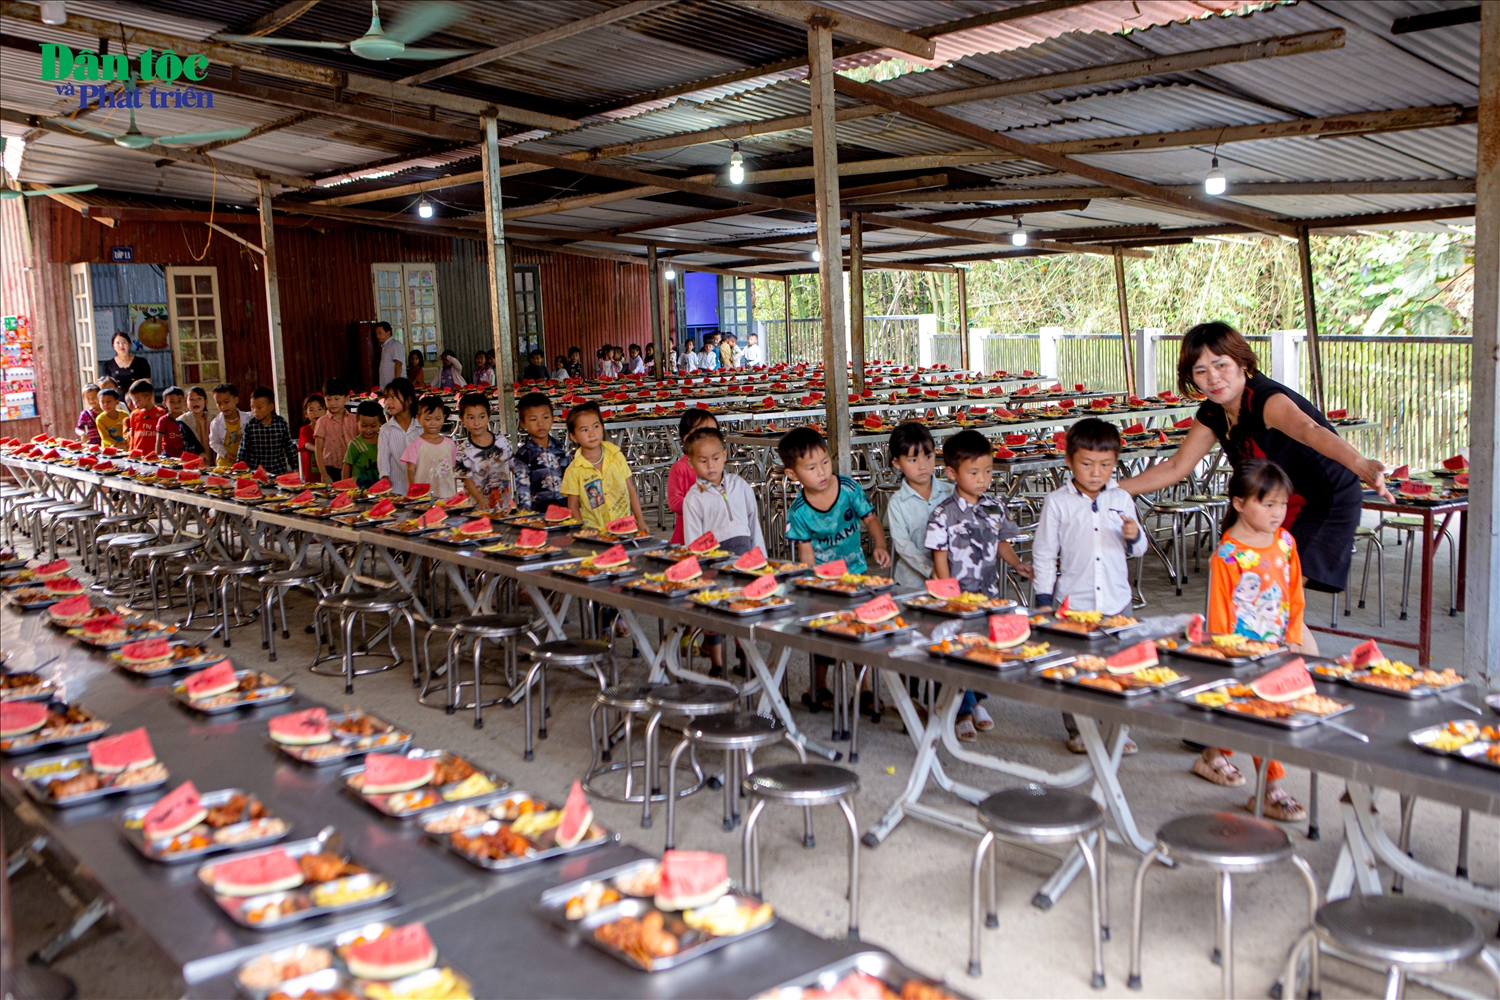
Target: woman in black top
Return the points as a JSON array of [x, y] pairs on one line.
[[125, 368], [1252, 416]]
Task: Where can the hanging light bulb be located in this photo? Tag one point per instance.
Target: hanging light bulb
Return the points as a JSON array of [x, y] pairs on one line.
[[424, 208], [817, 255], [736, 166], [1019, 237], [670, 273], [54, 12], [1214, 183]]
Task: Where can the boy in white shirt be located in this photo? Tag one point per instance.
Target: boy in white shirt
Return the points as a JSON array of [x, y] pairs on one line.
[[723, 503], [1089, 526]]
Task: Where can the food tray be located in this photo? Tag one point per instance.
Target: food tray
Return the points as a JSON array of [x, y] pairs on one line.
[[201, 657], [18, 579], [596, 537], [34, 598], [1477, 753], [552, 907], [774, 567], [337, 976], [1230, 662], [507, 550], [344, 747], [545, 843], [653, 587], [1493, 700], [35, 775], [90, 727], [769, 604], [156, 850], [1144, 688], [237, 908], [941, 606], [43, 688], [543, 524], [1302, 720], [885, 633], [421, 529], [452, 536], [268, 691], [380, 802], [571, 570], [1417, 692], [876, 964], [677, 553], [834, 588], [136, 631], [1097, 632], [360, 520], [1011, 657]]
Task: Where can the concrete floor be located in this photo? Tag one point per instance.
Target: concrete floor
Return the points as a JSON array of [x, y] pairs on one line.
[[914, 886]]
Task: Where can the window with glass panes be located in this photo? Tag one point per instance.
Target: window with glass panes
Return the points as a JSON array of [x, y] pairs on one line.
[[527, 282], [734, 306], [197, 328], [83, 324]]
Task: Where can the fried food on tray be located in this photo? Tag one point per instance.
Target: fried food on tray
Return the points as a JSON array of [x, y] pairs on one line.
[[141, 775], [326, 867], [503, 843], [88, 781], [1316, 704], [644, 939], [448, 771], [359, 724], [457, 820], [268, 971], [233, 811]]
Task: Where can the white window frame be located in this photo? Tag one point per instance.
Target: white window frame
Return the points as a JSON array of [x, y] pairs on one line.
[[526, 282], [414, 331], [179, 363], [83, 323]]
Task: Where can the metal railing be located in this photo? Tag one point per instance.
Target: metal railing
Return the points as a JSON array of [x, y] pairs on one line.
[[888, 337]]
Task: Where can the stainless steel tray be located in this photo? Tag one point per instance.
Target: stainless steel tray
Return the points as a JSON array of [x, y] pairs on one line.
[[527, 556], [1051, 658], [237, 907], [822, 587], [269, 691], [337, 975], [552, 907], [783, 572], [722, 606], [161, 630], [1093, 635], [1130, 692], [1303, 720], [1476, 753], [807, 623], [344, 748], [92, 728], [636, 541], [536, 521], [939, 606], [1416, 693], [46, 688], [1230, 662], [677, 553], [155, 850], [450, 536], [644, 586], [570, 570], [380, 802], [876, 964], [33, 598], [205, 658], [35, 783], [360, 521], [546, 843]]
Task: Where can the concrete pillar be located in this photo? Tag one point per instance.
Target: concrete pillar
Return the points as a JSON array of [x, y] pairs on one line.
[[857, 301], [1146, 342], [1048, 348], [1284, 366], [273, 306], [502, 299], [658, 321], [975, 340], [830, 266]]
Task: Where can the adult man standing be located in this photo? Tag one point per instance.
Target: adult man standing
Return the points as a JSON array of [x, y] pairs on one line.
[[390, 353]]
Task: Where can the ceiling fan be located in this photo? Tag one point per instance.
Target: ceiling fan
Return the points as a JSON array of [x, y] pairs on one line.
[[7, 192], [134, 138], [416, 22]]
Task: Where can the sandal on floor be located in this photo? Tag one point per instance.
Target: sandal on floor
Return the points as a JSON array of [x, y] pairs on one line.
[[1131, 748], [1280, 806], [982, 720], [964, 728], [1220, 772], [1075, 745]]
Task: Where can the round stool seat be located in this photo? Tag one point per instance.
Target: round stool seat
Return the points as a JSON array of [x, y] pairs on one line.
[[694, 699], [81, 514], [1400, 930], [571, 652], [289, 578], [811, 784], [493, 626], [248, 567], [333, 600], [167, 550], [1225, 841], [383, 600], [627, 697], [444, 626], [130, 539], [1041, 815], [1177, 506], [118, 519], [734, 731]]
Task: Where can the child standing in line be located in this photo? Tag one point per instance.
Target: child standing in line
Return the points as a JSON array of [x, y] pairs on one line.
[[966, 535], [914, 455], [681, 477], [228, 427], [541, 458], [401, 428], [823, 524], [313, 410], [723, 503], [144, 417], [432, 457], [168, 428], [598, 482], [362, 454], [1090, 525], [334, 430], [111, 419], [87, 416], [194, 424], [266, 442], [484, 459], [1255, 590]]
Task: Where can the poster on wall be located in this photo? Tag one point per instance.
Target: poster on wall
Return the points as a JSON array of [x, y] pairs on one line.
[[17, 370], [150, 337]]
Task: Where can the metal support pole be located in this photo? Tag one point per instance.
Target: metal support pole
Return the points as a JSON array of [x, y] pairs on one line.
[[1125, 334], [1482, 570], [658, 319], [830, 266], [1310, 319], [857, 301], [502, 329], [963, 318], [786, 307], [273, 305]]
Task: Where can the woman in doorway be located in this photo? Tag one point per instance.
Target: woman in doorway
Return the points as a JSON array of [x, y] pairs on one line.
[[414, 371], [124, 368]]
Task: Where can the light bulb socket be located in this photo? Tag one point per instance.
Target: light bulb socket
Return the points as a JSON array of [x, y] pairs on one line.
[[1019, 237]]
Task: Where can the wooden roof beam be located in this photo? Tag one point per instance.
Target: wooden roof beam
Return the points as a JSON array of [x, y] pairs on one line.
[[1457, 185], [973, 236], [76, 203], [259, 130], [276, 19]]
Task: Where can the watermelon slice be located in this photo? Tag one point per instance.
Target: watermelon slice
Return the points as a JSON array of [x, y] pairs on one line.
[[1009, 630], [63, 586], [948, 587], [418, 490], [705, 542], [110, 467], [1136, 428], [555, 513], [99, 624], [167, 474], [881, 609], [291, 480], [18, 718], [873, 422], [192, 461], [301, 728], [433, 515], [217, 679], [215, 481], [344, 484], [532, 538], [342, 502], [1195, 631], [261, 475], [1004, 454], [762, 588], [305, 497], [379, 487], [1461, 481], [1184, 422], [621, 526], [577, 817], [146, 651], [400, 953], [176, 812], [1137, 657], [389, 772], [1062, 609], [1412, 488], [831, 570], [1287, 682], [1337, 414], [122, 752], [690, 879], [1366, 654], [754, 559], [454, 502], [478, 526], [46, 571], [259, 873], [1456, 464], [383, 509], [189, 476], [684, 570], [1015, 439], [71, 611], [246, 490], [611, 557], [1401, 472]]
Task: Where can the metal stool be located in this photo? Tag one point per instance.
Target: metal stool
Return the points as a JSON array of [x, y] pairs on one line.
[[75, 521], [390, 602], [578, 653], [1406, 527], [107, 527], [1179, 513], [1230, 845], [502, 629], [38, 528], [1037, 815], [628, 700], [1401, 933], [738, 735], [155, 557], [804, 785], [226, 574], [443, 627], [689, 700], [273, 588], [117, 551], [1374, 546]]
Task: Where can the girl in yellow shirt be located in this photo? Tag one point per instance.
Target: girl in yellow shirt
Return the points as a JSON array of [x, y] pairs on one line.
[[598, 481]]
